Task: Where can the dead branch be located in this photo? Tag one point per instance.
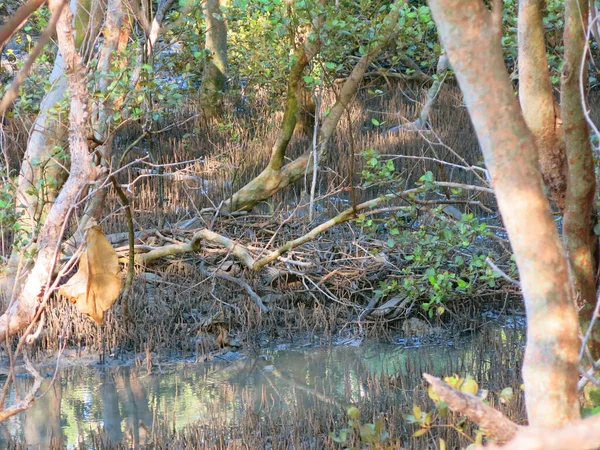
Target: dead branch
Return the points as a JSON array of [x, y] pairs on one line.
[[432, 96], [238, 250], [500, 272], [491, 420], [245, 257]]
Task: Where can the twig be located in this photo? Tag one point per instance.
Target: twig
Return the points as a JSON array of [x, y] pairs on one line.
[[500, 272], [241, 283]]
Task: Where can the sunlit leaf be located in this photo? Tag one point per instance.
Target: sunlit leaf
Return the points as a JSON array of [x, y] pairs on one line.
[[417, 412], [420, 432], [470, 386]]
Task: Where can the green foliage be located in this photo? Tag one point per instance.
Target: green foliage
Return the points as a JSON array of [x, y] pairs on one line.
[[8, 216], [441, 257], [363, 435], [592, 403]]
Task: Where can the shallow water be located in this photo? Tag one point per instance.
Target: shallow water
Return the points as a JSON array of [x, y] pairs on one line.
[[129, 403]]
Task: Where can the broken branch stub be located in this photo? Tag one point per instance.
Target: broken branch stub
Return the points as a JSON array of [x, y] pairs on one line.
[[97, 283]]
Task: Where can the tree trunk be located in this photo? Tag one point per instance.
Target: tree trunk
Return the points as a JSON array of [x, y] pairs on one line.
[[277, 176], [537, 101], [42, 171], [102, 118], [22, 311], [471, 35], [214, 78], [577, 227]]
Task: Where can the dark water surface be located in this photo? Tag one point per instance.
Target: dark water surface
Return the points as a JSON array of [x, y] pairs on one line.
[[128, 402]]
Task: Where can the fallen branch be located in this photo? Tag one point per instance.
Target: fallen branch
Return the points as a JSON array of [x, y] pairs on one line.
[[491, 420], [245, 257]]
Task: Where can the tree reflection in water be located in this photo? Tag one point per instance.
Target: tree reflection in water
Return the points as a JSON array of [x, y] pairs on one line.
[[127, 404]]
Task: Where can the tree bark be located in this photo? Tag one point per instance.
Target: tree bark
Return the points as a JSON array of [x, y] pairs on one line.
[[23, 310], [471, 34], [537, 101], [42, 171], [214, 78], [577, 227]]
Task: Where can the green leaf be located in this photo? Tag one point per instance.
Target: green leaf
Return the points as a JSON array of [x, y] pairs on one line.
[[353, 413], [375, 122]]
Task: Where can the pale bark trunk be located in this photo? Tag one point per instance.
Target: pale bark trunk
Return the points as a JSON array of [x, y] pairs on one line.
[[214, 78], [23, 310], [471, 35], [35, 193], [102, 120], [537, 100], [42, 173], [577, 228]]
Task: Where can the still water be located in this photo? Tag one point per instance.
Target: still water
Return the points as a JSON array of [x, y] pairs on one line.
[[128, 403]]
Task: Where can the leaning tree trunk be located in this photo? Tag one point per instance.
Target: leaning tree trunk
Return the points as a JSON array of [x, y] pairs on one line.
[[537, 101], [214, 78], [471, 34], [42, 171], [277, 175], [23, 310]]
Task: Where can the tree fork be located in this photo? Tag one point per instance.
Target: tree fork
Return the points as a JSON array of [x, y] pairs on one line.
[[275, 178]]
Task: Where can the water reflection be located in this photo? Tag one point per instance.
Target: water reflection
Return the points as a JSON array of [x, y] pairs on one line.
[[129, 403]]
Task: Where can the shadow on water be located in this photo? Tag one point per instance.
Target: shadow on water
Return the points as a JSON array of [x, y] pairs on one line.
[[278, 398]]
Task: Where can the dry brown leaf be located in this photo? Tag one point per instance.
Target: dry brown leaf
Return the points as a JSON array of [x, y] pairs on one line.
[[97, 283]]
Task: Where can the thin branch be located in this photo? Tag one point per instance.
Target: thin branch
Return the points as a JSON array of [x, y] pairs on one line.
[[253, 295], [500, 272], [12, 93], [29, 398], [17, 21]]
